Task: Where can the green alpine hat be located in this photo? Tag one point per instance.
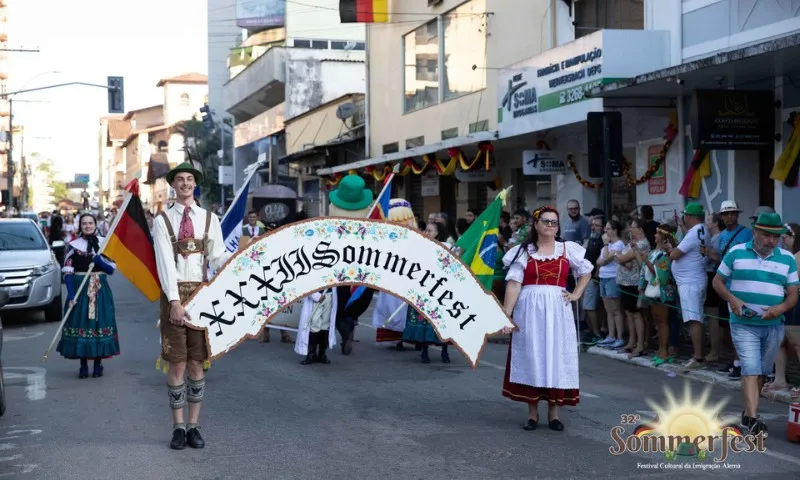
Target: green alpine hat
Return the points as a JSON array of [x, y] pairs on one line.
[[352, 194], [185, 167], [770, 223], [694, 209]]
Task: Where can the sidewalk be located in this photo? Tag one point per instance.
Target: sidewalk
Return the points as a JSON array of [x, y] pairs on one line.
[[704, 375], [707, 375]]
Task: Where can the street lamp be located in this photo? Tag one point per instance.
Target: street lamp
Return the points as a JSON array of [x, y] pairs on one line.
[[10, 139]]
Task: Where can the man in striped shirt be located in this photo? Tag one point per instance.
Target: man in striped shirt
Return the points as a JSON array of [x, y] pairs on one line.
[[763, 286]]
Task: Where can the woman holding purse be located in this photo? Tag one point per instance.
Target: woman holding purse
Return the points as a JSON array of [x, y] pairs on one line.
[[661, 289]]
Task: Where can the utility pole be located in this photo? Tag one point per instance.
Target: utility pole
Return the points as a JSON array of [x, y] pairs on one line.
[[10, 158]]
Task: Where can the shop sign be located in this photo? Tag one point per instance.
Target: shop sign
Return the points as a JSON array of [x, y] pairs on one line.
[[255, 14], [477, 174], [733, 120], [657, 185], [551, 89], [542, 162]]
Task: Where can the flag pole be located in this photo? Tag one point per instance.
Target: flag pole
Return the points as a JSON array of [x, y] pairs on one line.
[[386, 184], [254, 169], [88, 273]]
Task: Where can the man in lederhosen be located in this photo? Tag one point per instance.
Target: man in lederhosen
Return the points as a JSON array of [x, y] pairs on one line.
[[183, 254]]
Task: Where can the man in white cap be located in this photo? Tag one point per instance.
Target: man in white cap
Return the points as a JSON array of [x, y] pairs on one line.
[[733, 235], [760, 210]]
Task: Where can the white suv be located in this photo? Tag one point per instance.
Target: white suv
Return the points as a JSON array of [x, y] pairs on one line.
[[32, 273]]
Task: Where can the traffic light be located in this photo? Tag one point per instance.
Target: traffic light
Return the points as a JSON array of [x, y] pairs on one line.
[[116, 95], [208, 123]]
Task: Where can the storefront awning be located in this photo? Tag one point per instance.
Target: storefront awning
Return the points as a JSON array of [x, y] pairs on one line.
[[413, 152], [743, 66]]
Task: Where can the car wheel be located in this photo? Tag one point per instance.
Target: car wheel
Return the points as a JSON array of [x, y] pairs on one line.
[[2, 392], [55, 311]]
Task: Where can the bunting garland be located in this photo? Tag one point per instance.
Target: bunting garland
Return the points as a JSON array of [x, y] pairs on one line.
[[670, 133], [448, 167]]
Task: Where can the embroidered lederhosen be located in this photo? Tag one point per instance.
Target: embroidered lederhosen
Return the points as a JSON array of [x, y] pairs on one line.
[[181, 343]]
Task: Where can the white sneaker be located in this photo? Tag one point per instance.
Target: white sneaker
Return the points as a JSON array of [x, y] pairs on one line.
[[606, 341], [618, 344], [692, 364]]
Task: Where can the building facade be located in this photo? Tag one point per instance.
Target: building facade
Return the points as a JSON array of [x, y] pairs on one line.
[[146, 143], [293, 59], [666, 66]]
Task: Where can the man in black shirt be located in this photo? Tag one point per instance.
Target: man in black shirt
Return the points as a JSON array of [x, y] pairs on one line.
[[591, 296]]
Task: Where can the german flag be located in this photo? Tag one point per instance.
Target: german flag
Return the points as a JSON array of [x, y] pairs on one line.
[[130, 245], [699, 169], [364, 11]]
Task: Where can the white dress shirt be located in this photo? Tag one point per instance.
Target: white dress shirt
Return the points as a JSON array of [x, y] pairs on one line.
[[189, 269]]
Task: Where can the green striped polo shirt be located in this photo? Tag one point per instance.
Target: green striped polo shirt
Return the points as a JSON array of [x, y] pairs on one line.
[[759, 282]]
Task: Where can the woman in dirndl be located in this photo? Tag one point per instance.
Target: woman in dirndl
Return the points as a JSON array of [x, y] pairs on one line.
[[91, 328], [542, 360]]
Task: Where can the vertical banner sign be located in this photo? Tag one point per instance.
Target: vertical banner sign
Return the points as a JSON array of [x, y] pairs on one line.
[[299, 259], [657, 185]]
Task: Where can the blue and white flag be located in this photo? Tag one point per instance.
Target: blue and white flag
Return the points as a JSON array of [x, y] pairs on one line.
[[232, 221]]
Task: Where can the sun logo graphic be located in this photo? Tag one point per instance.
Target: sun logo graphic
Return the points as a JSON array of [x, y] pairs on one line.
[[690, 427]]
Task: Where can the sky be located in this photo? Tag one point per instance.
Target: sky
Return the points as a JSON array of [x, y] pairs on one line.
[[86, 41]]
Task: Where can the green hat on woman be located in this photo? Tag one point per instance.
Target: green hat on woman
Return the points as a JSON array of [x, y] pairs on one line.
[[352, 194], [694, 209], [770, 223], [185, 167]]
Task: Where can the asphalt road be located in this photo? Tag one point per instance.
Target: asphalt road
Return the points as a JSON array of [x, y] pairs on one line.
[[377, 414]]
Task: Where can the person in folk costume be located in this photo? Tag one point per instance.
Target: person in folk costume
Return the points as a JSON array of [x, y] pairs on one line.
[[91, 329], [542, 362], [352, 199], [418, 330], [187, 240], [390, 330], [314, 333]]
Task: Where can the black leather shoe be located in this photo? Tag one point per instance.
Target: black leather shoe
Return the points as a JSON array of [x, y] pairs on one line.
[[194, 439], [323, 359], [178, 439], [556, 425], [309, 359], [531, 424]]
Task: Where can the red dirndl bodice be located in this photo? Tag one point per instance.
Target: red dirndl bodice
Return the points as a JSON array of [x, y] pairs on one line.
[[553, 272]]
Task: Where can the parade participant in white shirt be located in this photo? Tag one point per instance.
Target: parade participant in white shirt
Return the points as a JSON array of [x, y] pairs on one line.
[[187, 240]]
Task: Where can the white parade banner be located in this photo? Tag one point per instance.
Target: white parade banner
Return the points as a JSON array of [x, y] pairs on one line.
[[294, 261]]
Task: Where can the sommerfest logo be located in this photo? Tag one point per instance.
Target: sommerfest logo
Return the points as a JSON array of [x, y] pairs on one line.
[[684, 429]]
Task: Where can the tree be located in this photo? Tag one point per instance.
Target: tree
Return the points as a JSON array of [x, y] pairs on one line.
[[205, 148], [59, 189]]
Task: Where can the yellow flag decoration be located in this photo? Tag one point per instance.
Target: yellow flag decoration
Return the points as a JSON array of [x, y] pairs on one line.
[[786, 167]]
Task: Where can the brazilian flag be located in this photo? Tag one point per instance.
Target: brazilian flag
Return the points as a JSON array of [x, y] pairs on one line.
[[479, 242]]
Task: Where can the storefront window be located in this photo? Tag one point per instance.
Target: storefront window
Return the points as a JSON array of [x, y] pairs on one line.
[[421, 60], [464, 48]]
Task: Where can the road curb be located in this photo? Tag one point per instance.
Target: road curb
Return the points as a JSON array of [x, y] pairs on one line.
[[705, 376]]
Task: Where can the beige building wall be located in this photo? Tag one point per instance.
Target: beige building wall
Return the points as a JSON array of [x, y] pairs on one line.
[[515, 30], [317, 127]]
